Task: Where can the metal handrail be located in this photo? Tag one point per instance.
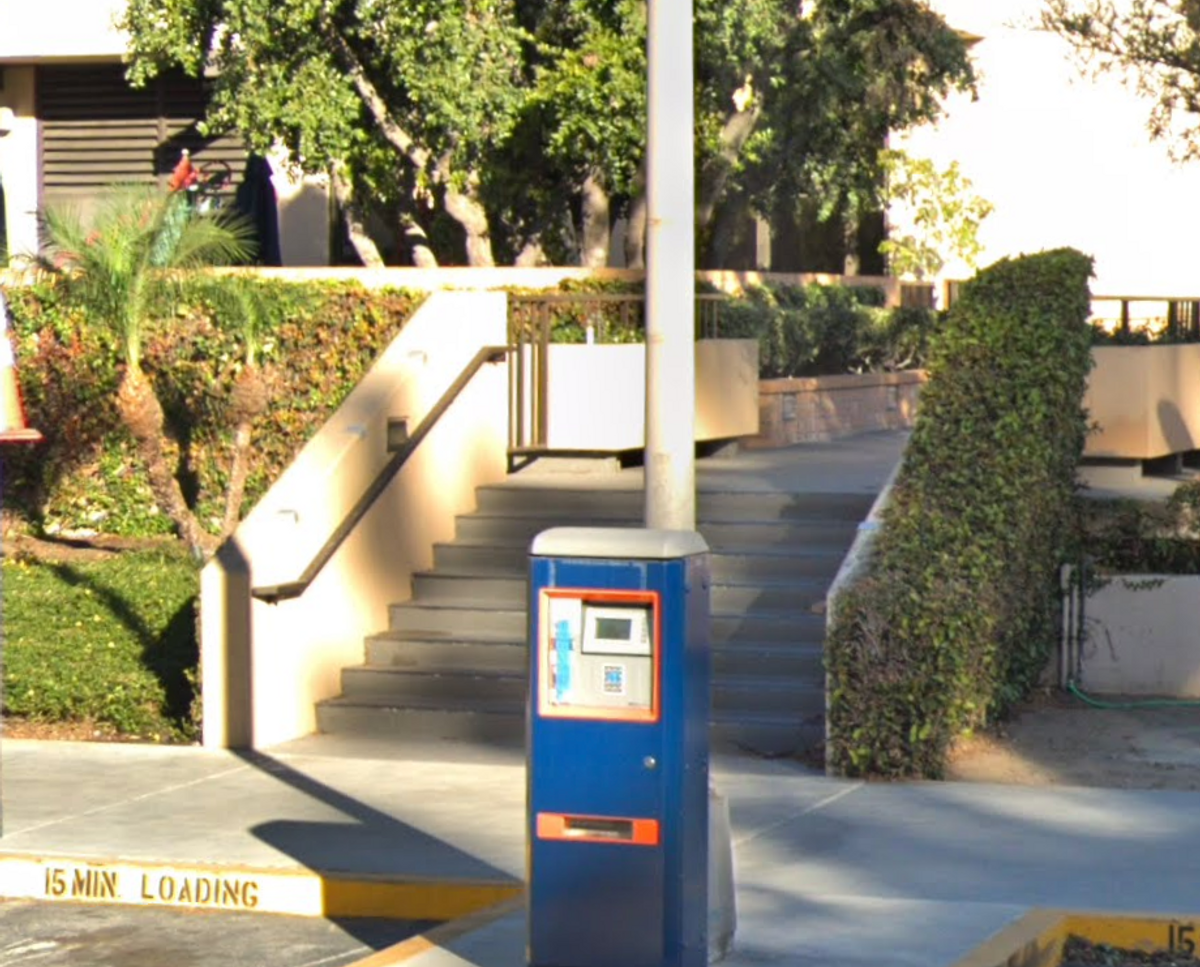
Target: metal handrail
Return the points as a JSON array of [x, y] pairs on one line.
[[1182, 316], [275, 593]]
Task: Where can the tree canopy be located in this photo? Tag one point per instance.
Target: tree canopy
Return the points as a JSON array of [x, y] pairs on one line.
[[514, 130], [1155, 44]]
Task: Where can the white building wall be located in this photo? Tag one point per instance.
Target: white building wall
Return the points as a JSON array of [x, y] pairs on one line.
[[59, 29], [18, 160], [1064, 160]]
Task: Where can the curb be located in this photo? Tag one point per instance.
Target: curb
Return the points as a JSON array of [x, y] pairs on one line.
[[1037, 939], [303, 893], [439, 937]]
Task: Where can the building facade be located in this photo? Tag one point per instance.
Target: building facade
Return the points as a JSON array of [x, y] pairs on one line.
[[70, 124]]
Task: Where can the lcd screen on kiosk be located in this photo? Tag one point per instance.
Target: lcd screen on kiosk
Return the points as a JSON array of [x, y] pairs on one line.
[[599, 655]]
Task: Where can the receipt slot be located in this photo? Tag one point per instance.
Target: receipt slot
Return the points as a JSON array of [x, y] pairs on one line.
[[618, 749]]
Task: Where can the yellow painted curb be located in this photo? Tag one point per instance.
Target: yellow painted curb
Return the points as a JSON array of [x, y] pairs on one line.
[[1037, 939], [439, 937], [302, 893]]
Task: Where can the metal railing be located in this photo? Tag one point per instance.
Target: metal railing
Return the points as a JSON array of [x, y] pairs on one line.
[[1179, 315], [275, 593], [535, 321]]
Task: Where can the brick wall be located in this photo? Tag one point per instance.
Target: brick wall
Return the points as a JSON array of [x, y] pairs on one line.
[[805, 410]]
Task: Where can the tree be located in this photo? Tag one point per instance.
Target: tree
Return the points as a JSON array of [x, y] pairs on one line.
[[1156, 43], [943, 215], [140, 240], [517, 129], [352, 88]]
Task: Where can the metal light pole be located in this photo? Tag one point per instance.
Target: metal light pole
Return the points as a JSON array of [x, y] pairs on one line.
[[670, 270]]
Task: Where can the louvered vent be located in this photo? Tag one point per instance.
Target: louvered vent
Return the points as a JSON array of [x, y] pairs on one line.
[[97, 130]]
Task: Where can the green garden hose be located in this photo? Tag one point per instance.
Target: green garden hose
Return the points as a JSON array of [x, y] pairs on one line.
[[1124, 706]]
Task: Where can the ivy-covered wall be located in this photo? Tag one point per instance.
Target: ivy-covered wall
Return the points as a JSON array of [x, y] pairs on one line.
[[960, 608], [319, 339]]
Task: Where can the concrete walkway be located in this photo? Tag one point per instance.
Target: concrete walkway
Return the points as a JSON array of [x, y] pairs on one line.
[[829, 872], [316, 839]]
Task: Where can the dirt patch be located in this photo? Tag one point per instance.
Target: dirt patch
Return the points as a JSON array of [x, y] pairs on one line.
[[1058, 740], [16, 728], [68, 550]]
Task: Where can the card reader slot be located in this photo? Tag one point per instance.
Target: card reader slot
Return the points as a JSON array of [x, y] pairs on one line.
[[587, 827], [597, 829]]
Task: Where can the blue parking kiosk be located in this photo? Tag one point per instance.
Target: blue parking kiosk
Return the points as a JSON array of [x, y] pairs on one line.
[[618, 748]]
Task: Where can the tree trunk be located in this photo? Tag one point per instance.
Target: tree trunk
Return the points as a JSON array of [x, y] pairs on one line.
[[364, 245], [466, 209], [635, 228], [418, 245], [595, 227], [143, 415], [248, 401], [531, 254], [239, 468], [462, 206], [715, 175]]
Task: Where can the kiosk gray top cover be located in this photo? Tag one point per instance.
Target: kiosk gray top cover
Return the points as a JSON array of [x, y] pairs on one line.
[[618, 542]]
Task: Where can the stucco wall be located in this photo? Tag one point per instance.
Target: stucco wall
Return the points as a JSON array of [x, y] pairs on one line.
[[1144, 401], [1139, 636], [265, 665]]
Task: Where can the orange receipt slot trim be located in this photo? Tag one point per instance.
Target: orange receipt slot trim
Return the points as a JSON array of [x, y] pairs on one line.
[[597, 829]]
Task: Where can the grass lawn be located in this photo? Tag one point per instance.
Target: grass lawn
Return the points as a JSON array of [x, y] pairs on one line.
[[108, 639]]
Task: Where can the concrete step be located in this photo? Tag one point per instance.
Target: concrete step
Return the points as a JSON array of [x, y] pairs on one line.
[[495, 655], [768, 734], [511, 657], [401, 685], [392, 687], [457, 621], [448, 622], [466, 586], [452, 587], [481, 528], [546, 503], [773, 628], [803, 661], [487, 724], [799, 596], [734, 566], [729, 565]]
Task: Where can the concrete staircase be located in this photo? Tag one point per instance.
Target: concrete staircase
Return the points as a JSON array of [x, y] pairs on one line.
[[452, 662]]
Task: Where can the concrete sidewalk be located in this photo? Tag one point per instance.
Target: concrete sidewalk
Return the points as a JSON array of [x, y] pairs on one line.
[[833, 873]]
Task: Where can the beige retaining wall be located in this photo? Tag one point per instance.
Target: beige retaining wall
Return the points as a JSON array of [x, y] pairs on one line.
[[811, 409], [1138, 636], [1144, 401]]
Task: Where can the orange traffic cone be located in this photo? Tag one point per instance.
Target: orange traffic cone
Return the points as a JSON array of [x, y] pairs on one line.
[[13, 428]]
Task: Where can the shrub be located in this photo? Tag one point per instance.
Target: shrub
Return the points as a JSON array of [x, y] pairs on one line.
[[823, 330], [111, 641], [960, 610], [318, 340]]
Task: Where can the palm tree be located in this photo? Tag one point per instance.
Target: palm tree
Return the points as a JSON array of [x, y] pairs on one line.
[[139, 242], [242, 303]]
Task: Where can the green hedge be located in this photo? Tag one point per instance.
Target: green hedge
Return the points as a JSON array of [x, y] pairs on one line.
[[321, 337], [111, 641], [824, 330], [958, 614]]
